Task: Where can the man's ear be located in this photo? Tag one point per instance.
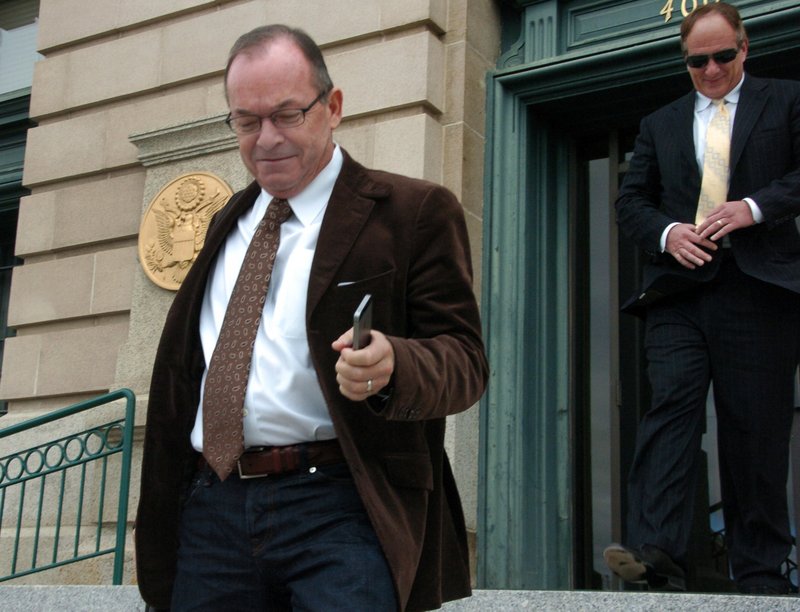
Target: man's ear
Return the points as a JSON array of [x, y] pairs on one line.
[[334, 106]]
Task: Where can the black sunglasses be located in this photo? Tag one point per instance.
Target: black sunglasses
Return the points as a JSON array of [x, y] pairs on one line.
[[726, 56]]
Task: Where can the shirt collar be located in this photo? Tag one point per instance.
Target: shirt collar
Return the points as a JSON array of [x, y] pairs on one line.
[[308, 205], [702, 102]]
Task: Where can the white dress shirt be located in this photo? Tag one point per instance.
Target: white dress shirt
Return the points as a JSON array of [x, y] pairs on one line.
[[283, 402]]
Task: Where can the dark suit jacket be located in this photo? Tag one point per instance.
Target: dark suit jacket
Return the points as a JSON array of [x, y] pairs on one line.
[[405, 242], [662, 185]]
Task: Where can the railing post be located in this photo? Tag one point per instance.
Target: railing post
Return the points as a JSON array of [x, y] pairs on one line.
[[124, 487]]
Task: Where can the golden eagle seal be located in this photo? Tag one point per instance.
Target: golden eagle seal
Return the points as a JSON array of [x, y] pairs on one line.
[[174, 226]]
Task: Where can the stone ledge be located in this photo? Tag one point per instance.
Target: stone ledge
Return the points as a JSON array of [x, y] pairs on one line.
[[126, 599], [585, 601], [70, 598]]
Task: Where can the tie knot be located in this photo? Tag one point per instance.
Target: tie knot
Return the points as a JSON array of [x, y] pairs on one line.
[[720, 105], [279, 210]]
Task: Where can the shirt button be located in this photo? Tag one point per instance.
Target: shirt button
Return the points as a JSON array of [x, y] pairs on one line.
[[244, 412]]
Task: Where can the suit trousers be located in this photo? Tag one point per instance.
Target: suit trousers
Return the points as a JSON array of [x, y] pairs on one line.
[[743, 335], [299, 541]]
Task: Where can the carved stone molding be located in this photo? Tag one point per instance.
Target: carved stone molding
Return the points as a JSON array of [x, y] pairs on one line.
[[191, 139]]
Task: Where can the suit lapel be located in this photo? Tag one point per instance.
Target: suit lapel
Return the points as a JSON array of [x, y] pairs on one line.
[[684, 128], [752, 99]]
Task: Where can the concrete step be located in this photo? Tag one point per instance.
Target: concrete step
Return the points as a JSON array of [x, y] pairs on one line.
[[617, 601], [30, 598]]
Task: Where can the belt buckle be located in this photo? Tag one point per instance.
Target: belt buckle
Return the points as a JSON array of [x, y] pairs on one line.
[[248, 476]]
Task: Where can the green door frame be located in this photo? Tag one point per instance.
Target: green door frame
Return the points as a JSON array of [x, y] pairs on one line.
[[525, 509]]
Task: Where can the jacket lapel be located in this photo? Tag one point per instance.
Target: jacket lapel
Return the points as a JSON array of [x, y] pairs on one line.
[[751, 103], [353, 198], [684, 129]]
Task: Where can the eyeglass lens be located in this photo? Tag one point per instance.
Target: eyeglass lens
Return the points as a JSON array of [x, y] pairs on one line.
[[720, 57], [290, 117]]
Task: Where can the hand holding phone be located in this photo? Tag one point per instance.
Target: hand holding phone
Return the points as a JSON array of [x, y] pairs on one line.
[[362, 323]]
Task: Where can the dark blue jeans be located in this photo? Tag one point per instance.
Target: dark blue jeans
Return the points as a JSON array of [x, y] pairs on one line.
[[300, 541]]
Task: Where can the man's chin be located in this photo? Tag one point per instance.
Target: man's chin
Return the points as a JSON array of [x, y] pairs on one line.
[[715, 91], [277, 189], [273, 179]]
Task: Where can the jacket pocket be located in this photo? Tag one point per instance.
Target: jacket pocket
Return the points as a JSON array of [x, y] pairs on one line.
[[339, 304], [378, 284]]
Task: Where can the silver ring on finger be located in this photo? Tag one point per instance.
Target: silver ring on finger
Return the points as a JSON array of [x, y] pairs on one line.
[[369, 386]]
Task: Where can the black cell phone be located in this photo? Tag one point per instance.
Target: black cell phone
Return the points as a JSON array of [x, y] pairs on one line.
[[362, 323]]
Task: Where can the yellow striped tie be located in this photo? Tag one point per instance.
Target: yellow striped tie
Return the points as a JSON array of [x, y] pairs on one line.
[[716, 161]]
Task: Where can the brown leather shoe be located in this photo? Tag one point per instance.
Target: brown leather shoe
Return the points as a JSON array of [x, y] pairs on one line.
[[648, 565]]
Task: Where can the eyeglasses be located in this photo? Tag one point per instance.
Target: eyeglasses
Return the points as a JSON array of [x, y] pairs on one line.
[[284, 118], [726, 56]]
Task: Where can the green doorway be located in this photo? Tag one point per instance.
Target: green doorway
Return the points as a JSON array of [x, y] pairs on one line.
[[567, 387]]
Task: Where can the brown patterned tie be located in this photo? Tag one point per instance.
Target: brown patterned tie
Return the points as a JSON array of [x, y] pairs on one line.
[[223, 400]]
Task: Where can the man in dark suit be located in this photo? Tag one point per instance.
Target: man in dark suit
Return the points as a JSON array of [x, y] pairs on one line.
[[721, 304], [341, 496]]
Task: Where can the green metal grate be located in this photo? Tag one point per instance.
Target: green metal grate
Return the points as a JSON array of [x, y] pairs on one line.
[[57, 497]]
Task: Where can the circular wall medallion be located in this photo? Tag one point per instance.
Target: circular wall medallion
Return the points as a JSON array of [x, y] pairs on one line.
[[174, 226]]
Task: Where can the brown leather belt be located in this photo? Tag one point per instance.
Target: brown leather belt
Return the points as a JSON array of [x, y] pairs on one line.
[[258, 462]]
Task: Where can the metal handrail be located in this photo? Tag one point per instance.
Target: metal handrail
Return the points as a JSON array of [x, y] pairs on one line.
[[25, 469]]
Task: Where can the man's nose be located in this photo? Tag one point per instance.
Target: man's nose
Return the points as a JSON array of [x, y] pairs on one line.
[[269, 135]]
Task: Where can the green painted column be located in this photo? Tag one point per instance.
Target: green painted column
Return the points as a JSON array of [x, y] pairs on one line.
[[524, 536]]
